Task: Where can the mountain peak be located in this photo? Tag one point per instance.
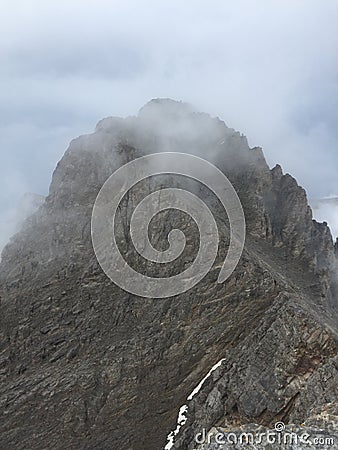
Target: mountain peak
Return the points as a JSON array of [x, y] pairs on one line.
[[166, 106], [104, 367]]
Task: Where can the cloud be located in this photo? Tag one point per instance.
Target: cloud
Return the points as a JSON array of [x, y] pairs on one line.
[[266, 68], [13, 218], [326, 210]]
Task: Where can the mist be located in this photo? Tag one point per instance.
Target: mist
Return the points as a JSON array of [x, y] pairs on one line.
[[326, 210], [266, 69], [14, 217]]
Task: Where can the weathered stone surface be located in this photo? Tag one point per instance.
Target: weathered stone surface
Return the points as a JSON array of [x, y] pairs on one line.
[[86, 365]]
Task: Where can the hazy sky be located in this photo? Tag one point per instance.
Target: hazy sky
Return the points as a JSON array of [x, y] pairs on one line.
[[267, 68]]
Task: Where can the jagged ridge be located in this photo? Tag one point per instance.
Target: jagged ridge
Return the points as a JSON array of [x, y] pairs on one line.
[[105, 369]]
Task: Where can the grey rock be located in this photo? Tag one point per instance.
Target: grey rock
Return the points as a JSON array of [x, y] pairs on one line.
[[111, 370]]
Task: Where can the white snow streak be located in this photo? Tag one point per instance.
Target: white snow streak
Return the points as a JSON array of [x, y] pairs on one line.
[[198, 387], [182, 418]]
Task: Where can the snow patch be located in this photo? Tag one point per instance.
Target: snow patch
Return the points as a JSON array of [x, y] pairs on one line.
[[181, 420], [200, 384]]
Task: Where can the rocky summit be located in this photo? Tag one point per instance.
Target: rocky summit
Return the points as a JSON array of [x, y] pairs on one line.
[[86, 365]]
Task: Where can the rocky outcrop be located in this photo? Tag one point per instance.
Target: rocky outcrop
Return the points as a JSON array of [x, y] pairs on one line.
[[83, 364], [284, 371]]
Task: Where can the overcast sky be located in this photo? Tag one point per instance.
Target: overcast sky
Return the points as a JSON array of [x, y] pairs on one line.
[[267, 68]]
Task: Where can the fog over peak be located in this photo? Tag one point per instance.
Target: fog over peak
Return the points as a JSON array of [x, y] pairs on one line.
[[266, 69]]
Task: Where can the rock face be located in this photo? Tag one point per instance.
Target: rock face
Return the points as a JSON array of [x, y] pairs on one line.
[[84, 364]]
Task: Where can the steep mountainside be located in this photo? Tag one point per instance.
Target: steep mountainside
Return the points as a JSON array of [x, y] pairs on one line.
[[84, 364]]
